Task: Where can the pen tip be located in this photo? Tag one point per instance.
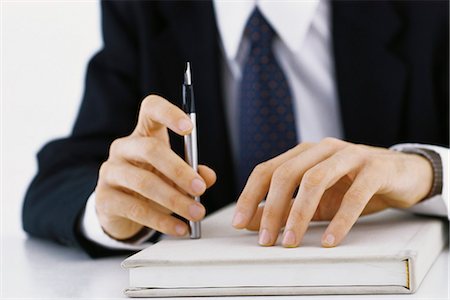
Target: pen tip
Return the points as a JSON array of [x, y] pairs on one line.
[[187, 74]]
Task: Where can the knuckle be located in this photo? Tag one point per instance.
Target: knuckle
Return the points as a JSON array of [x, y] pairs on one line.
[[140, 182], [335, 162], [331, 142], [356, 150], [101, 202], [172, 202], [149, 102], [313, 178], [135, 211], [104, 172], [304, 145], [162, 224], [296, 216], [270, 214], [115, 146], [179, 171], [245, 203], [261, 169], [376, 164], [282, 175], [362, 153], [356, 196], [346, 216], [105, 207]]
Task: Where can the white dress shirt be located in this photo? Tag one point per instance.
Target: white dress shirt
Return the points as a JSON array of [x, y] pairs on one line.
[[303, 47]]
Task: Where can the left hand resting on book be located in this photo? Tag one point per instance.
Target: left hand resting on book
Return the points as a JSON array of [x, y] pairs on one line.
[[336, 181]]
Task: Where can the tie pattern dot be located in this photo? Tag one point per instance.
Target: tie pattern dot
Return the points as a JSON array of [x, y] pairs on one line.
[[266, 118]]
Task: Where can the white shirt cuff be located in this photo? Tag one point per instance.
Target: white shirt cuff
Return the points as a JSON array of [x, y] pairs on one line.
[[92, 230], [439, 204]]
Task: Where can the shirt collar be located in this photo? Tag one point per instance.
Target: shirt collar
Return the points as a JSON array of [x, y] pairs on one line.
[[290, 19]]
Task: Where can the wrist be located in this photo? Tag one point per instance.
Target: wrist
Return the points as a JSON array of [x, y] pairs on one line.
[[431, 166], [424, 171]]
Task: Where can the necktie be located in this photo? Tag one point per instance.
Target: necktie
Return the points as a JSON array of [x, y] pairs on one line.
[[266, 118]]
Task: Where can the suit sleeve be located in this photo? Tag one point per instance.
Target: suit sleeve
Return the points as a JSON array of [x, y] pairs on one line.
[[441, 71], [68, 168]]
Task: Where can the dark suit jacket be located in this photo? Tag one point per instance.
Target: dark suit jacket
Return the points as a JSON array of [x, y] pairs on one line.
[[391, 62]]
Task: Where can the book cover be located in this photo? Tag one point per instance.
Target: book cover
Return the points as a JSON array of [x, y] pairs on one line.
[[388, 252]]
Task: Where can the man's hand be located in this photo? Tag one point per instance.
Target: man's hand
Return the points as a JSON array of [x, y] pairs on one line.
[[143, 181], [336, 181]]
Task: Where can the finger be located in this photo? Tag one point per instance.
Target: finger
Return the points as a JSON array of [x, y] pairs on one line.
[[151, 151], [156, 113], [258, 184], [312, 187], [331, 200], [255, 223], [284, 182], [208, 175], [140, 211], [355, 200], [153, 187]]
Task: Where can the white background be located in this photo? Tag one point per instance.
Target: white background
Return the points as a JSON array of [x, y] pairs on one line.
[[45, 46], [45, 49]]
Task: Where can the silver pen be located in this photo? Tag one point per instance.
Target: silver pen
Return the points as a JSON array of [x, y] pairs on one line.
[[190, 140]]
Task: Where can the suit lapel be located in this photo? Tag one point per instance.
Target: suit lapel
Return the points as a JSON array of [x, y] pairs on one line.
[[370, 76]]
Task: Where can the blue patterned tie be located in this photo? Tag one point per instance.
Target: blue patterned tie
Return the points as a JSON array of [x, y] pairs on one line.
[[267, 125]]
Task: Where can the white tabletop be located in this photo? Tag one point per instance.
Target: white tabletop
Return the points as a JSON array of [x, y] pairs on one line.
[[33, 268]]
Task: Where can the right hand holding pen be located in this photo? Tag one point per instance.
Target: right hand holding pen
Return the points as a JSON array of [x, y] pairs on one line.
[[143, 181]]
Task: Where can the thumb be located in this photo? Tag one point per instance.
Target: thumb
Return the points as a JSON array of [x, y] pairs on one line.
[[156, 114]]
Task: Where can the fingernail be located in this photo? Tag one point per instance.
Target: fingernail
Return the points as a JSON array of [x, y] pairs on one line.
[[196, 211], [180, 229], [238, 219], [329, 240], [184, 125], [198, 186], [264, 237], [289, 238]]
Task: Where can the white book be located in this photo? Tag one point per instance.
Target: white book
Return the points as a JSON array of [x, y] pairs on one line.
[[388, 252]]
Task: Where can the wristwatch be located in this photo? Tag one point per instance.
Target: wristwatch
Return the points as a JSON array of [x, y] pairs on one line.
[[436, 163]]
